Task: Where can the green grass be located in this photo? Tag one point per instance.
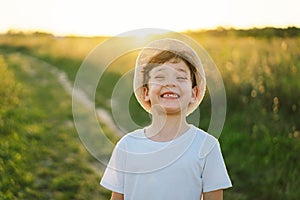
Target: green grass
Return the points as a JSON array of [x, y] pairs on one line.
[[41, 154], [42, 157]]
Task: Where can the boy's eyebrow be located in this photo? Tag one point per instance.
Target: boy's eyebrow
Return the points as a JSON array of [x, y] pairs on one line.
[[180, 70], [162, 69]]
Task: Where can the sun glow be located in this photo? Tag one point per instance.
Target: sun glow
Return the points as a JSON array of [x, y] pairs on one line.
[[112, 17]]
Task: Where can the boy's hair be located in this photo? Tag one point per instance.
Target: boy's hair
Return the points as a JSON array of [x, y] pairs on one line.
[[164, 57], [162, 51]]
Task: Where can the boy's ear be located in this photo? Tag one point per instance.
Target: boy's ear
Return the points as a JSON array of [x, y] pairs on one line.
[[146, 94], [195, 94]]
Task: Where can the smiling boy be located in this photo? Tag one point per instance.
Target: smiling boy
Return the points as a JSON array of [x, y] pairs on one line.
[[169, 159]]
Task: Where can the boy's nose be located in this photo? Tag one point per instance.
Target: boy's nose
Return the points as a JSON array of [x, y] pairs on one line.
[[170, 82]]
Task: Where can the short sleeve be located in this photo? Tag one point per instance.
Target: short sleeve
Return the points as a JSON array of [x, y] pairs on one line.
[[113, 177], [215, 175]]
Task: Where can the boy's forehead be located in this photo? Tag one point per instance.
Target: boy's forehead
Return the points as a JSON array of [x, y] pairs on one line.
[[180, 67]]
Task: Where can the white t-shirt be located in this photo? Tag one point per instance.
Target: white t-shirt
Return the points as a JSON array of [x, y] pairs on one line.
[[181, 169]]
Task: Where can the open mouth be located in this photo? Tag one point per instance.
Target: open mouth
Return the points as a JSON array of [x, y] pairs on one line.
[[170, 95]]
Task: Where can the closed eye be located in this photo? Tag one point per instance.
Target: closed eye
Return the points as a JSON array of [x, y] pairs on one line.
[[159, 77], [181, 78]]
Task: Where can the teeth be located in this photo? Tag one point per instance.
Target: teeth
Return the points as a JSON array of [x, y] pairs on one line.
[[171, 95]]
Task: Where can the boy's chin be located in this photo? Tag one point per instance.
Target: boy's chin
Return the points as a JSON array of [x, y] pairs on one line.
[[166, 110]]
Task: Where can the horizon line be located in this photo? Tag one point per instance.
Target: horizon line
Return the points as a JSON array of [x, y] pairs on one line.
[[59, 34]]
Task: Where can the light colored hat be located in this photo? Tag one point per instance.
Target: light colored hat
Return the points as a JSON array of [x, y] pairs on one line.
[[175, 46]]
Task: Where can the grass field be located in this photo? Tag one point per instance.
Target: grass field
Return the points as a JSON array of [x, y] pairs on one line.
[[43, 158]]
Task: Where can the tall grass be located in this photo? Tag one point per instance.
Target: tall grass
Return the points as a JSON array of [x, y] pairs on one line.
[[260, 140], [41, 155]]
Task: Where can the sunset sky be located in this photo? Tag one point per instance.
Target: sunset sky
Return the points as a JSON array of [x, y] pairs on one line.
[[111, 17]]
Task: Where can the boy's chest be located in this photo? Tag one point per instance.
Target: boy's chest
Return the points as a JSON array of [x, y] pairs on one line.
[[183, 160], [179, 179]]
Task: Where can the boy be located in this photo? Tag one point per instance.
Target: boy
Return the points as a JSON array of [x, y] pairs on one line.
[[169, 159]]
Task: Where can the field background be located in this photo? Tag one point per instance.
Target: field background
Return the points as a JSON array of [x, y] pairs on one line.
[[41, 156]]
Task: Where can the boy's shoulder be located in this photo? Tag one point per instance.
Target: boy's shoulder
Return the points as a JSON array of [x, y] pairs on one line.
[[132, 136], [205, 141], [203, 135]]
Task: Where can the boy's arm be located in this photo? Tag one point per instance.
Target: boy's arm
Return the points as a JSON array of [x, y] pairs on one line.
[[116, 196], [213, 195]]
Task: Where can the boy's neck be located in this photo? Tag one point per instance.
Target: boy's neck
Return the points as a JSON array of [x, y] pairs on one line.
[[166, 127]]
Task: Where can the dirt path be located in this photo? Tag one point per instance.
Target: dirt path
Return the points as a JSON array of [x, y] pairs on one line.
[[80, 95]]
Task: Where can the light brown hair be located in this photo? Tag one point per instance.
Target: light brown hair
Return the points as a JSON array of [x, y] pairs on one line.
[[166, 56]]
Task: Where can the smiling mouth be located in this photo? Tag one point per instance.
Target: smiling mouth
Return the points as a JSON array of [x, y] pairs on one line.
[[170, 95]]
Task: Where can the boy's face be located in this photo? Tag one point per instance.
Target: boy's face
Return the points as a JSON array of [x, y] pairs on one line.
[[170, 88]]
